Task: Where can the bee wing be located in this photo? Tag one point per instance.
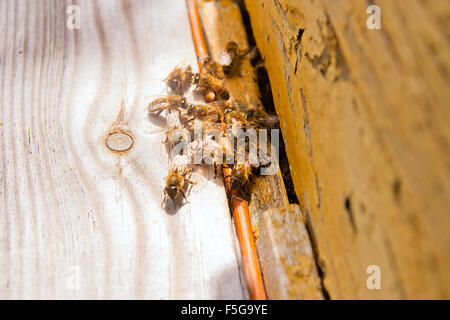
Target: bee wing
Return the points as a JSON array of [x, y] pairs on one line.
[[211, 118], [269, 121], [157, 108]]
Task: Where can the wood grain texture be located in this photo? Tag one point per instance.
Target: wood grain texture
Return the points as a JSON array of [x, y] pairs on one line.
[[222, 22], [78, 221], [284, 247], [366, 117]]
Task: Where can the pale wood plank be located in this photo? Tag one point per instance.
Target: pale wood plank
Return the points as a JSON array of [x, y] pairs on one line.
[[78, 221], [286, 255]]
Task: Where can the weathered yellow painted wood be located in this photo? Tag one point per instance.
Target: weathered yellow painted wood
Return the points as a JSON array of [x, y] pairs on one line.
[[76, 220], [365, 116]]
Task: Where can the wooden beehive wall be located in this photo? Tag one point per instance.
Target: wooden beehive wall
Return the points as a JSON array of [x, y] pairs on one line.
[[365, 116]]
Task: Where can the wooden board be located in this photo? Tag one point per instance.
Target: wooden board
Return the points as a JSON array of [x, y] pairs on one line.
[[286, 255], [280, 237], [78, 221], [365, 115]]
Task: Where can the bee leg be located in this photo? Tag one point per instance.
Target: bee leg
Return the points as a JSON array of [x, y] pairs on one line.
[[190, 188], [188, 177], [159, 111], [215, 170], [244, 52], [191, 182], [184, 196], [152, 109]]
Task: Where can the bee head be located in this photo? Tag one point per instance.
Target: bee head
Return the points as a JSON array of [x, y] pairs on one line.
[[249, 114], [235, 180], [190, 110], [173, 84], [235, 183], [183, 102], [171, 191], [196, 78]]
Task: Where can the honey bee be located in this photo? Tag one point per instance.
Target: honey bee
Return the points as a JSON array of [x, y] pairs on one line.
[[178, 179], [230, 57], [170, 103], [208, 81], [205, 112], [179, 79], [210, 78], [175, 184], [260, 118], [240, 175], [209, 66]]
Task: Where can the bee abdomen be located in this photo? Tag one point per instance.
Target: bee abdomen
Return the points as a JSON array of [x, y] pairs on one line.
[[157, 101], [223, 93], [227, 68]]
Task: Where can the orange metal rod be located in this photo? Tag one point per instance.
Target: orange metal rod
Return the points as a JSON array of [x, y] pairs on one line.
[[252, 271], [201, 48], [250, 262], [242, 223]]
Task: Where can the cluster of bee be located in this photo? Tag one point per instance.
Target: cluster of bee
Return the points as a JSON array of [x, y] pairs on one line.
[[221, 115]]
